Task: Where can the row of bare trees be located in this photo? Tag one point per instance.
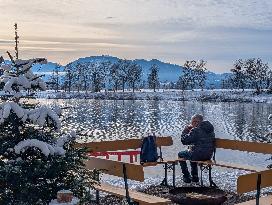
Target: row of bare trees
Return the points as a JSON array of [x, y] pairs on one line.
[[250, 73], [96, 76]]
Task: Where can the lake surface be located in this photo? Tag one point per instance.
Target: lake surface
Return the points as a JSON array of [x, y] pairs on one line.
[[109, 120]]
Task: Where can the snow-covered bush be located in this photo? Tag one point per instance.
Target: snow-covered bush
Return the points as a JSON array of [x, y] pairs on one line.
[[36, 158]]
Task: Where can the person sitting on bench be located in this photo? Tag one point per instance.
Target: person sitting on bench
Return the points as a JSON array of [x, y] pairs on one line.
[[200, 135]]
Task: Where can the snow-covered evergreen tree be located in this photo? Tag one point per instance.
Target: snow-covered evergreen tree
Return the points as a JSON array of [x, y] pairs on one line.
[[36, 159], [153, 77]]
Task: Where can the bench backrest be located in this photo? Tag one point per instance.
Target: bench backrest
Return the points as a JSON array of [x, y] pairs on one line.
[[133, 171], [248, 182], [116, 145], [256, 147]]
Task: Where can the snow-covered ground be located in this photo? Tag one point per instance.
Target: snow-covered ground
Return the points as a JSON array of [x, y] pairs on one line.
[[218, 95]]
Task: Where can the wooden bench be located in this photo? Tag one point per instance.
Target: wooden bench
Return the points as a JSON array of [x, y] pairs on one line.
[[134, 143], [126, 171], [255, 181], [255, 147], [104, 147]]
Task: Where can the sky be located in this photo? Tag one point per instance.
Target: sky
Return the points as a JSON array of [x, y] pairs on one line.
[[218, 31]]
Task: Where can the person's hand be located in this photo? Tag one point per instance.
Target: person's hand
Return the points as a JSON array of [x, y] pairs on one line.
[[188, 128]]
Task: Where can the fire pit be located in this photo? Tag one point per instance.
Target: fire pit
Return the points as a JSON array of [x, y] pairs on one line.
[[198, 196]]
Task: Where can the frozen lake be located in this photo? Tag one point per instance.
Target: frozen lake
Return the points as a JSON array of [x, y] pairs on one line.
[[108, 120]]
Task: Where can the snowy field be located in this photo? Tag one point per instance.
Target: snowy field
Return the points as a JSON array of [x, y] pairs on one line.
[[216, 95]]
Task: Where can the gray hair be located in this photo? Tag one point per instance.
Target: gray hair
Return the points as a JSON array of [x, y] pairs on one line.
[[198, 116]]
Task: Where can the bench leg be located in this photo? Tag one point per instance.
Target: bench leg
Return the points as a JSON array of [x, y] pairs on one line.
[[201, 174], [97, 196], [212, 184], [165, 181], [205, 168], [167, 167], [259, 179], [96, 177], [174, 174]]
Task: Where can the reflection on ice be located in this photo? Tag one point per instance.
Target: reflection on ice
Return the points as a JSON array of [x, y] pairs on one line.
[[109, 120], [106, 119]]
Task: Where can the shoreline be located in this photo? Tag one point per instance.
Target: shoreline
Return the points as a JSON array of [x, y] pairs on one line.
[[217, 95]]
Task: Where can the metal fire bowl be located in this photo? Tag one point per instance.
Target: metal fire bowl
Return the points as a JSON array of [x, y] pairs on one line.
[[197, 196]]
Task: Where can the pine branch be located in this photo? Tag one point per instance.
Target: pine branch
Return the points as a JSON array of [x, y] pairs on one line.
[[11, 58], [1, 59]]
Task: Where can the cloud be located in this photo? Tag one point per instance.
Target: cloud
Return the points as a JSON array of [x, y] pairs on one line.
[[110, 17], [219, 31]]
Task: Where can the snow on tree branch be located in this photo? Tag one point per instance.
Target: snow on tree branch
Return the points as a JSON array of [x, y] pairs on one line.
[[7, 107], [39, 116], [45, 148], [18, 77], [42, 114]]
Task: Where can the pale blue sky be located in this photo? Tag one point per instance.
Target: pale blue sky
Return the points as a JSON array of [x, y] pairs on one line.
[[169, 30]]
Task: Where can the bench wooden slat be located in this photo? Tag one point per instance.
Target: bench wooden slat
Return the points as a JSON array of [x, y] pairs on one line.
[[213, 163], [134, 171], [227, 165], [256, 147], [237, 166], [116, 145], [150, 164], [263, 201], [142, 198], [248, 182]]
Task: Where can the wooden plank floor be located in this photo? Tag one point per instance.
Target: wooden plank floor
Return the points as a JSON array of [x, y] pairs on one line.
[[263, 201], [142, 198]]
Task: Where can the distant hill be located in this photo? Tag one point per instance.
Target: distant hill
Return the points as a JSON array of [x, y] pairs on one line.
[[47, 69], [167, 72]]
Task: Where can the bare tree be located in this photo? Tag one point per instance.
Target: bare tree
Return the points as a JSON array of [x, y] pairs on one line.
[[123, 73], [187, 79], [239, 78], [200, 73], [153, 77], [114, 75], [256, 72], [134, 74], [55, 78]]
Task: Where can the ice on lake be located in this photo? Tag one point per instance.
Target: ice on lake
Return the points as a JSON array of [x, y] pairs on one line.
[[121, 119]]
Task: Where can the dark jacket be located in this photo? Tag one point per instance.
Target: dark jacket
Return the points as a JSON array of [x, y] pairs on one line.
[[202, 139]]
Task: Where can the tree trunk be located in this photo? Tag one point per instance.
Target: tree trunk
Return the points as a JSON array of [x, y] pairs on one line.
[[123, 86], [116, 87]]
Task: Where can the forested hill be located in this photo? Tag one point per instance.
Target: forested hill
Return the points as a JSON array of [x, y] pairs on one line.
[[167, 72]]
